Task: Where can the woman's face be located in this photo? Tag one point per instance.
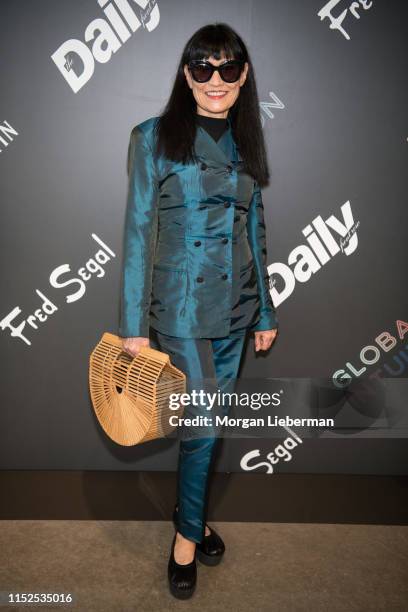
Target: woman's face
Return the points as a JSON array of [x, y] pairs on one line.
[[215, 107]]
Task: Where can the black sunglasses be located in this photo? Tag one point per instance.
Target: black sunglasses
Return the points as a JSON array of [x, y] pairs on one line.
[[202, 71]]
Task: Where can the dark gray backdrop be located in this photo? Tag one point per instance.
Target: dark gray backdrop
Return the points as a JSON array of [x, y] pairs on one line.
[[333, 104]]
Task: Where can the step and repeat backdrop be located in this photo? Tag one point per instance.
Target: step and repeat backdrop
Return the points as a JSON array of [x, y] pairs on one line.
[[76, 77]]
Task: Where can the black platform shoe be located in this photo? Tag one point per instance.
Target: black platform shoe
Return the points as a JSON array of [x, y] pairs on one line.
[[211, 549], [182, 577]]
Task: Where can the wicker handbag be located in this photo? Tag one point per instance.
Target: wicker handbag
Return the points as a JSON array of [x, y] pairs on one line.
[[130, 395]]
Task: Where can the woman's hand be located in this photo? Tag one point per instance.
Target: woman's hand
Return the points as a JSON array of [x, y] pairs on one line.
[[133, 345], [264, 339]]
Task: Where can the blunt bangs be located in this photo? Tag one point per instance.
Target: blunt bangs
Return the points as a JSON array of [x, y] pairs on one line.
[[214, 42]]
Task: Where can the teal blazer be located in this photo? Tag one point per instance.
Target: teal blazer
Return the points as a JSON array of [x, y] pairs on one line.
[[194, 233]]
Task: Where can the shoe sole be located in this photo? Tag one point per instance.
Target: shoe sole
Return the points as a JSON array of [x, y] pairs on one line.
[[208, 559], [181, 594], [203, 558]]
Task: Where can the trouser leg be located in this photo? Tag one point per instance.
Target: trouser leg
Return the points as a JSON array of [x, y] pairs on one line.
[[203, 360], [227, 354]]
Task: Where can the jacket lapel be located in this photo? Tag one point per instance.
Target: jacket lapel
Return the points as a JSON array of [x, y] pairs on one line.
[[224, 151]]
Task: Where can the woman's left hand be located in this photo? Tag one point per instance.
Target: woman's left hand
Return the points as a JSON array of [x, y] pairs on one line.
[[264, 339]]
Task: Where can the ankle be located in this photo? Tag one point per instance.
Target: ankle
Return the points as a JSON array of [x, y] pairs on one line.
[[180, 538], [184, 550]]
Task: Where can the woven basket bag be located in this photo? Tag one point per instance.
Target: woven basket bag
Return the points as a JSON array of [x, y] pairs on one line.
[[130, 395]]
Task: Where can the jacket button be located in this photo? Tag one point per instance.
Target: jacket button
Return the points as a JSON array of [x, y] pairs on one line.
[[204, 166], [199, 279], [197, 243], [224, 240], [227, 204], [224, 276]]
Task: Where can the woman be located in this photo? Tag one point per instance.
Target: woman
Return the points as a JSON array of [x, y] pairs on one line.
[[194, 276]]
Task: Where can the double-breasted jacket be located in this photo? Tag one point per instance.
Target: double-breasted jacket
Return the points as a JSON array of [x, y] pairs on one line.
[[194, 240]]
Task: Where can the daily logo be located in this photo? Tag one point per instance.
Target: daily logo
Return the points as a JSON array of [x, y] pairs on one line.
[[307, 259], [76, 60]]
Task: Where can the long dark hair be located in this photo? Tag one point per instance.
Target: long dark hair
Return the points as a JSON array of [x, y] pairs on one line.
[[176, 127]]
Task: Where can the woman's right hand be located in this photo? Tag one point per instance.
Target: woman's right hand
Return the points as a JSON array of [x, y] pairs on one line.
[[133, 345]]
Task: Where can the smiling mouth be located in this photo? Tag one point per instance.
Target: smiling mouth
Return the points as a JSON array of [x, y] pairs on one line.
[[215, 94]]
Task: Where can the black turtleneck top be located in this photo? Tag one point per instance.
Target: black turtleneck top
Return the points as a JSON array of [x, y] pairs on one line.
[[215, 126]]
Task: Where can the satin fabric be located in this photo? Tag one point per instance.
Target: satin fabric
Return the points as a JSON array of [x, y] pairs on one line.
[[194, 259], [209, 364]]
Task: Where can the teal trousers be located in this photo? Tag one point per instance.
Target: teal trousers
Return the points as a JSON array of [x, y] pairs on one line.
[[211, 364]]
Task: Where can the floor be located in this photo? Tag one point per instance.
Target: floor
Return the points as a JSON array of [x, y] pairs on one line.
[[122, 566]]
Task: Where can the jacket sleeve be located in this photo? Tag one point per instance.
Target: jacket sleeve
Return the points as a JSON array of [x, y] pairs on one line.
[[257, 241], [140, 235]]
